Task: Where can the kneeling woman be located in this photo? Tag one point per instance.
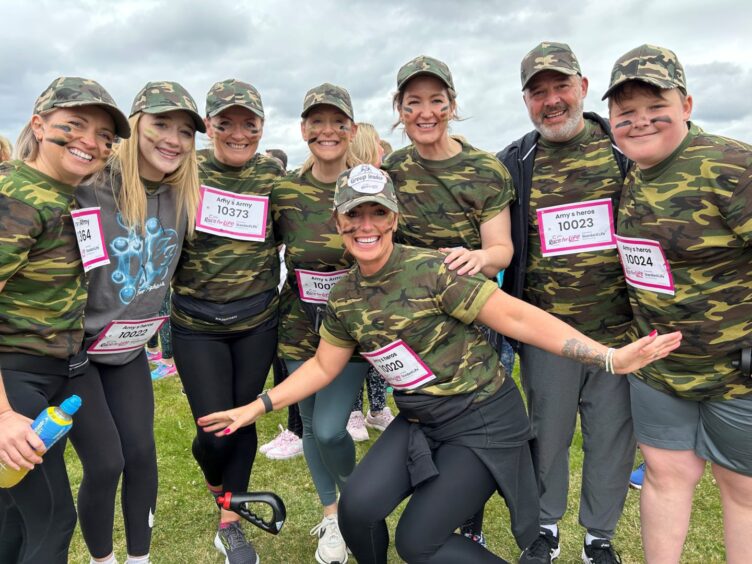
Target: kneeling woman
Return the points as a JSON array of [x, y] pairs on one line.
[[462, 427]]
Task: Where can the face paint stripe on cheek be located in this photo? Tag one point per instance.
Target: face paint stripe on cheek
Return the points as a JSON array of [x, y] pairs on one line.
[[312, 140], [57, 141], [407, 109], [625, 123], [661, 119], [62, 127]]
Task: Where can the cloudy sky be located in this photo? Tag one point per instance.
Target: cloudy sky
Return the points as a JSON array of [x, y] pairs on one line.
[[285, 47]]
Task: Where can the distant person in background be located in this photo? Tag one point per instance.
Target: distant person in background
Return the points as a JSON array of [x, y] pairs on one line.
[[386, 147], [6, 149], [278, 154], [366, 146]]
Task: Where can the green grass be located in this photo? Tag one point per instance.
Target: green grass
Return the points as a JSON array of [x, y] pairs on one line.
[[186, 519]]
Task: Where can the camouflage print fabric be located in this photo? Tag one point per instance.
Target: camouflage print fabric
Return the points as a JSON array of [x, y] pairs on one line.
[[42, 303], [414, 297], [219, 269], [303, 221], [71, 91], [164, 96], [444, 203], [230, 93], [584, 289], [548, 55], [330, 95], [647, 63], [698, 204], [424, 65]]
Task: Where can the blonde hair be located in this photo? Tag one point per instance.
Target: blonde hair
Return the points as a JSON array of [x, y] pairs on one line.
[[350, 159], [27, 146], [132, 198], [365, 144], [6, 149]]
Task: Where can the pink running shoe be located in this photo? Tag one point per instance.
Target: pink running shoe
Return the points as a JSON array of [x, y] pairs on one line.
[[163, 370], [379, 420], [153, 356], [356, 426], [266, 447], [289, 446]]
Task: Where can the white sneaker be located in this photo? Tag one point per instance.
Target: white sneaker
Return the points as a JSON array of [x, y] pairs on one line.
[[379, 420], [331, 549], [289, 445], [356, 426], [263, 449]]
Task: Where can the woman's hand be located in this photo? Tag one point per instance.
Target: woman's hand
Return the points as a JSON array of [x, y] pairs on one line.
[[223, 423], [20, 446], [644, 351], [468, 262]]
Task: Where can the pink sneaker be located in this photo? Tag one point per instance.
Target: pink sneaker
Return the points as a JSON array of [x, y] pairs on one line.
[[163, 370], [266, 447], [356, 426], [289, 445], [153, 356], [379, 420]]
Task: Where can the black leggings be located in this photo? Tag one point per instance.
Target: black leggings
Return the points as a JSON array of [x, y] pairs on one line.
[[37, 516], [425, 532], [113, 434], [220, 372]]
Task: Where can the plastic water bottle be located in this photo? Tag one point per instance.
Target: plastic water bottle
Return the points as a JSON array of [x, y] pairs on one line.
[[51, 425]]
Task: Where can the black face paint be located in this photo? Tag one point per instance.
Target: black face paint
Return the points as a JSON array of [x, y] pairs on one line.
[[445, 108], [312, 140], [625, 123], [344, 128], [218, 127], [255, 130], [108, 145], [349, 231], [661, 119], [57, 141], [407, 109], [62, 127]]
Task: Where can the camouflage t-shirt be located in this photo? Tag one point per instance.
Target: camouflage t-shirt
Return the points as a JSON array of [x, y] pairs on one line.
[[585, 289], [415, 298], [698, 205], [443, 203], [303, 221], [221, 269], [42, 303]]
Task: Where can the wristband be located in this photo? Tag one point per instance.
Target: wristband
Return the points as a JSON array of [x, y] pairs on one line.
[[267, 401], [610, 360]]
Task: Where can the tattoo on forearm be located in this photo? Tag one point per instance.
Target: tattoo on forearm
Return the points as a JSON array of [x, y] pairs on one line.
[[579, 351]]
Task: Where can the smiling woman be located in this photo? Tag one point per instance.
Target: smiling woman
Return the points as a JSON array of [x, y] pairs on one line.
[[42, 299], [133, 222]]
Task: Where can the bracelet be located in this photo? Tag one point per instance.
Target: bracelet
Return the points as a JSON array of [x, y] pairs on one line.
[[610, 360], [267, 401]]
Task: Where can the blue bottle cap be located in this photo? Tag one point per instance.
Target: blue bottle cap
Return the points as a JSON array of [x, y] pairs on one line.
[[71, 405]]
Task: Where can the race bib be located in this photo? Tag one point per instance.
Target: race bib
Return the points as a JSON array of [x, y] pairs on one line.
[[572, 228], [645, 266], [400, 366], [314, 287], [123, 335], [237, 216], [88, 225]]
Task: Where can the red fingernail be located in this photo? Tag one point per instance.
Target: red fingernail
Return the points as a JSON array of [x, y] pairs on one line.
[[227, 431], [653, 333]]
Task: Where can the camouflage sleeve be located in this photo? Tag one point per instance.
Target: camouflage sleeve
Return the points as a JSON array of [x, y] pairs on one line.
[[333, 331], [739, 211], [21, 225], [503, 194], [462, 297]]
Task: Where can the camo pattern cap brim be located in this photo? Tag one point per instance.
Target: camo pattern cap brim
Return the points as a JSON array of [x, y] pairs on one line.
[[548, 55], [72, 91], [424, 65], [647, 63], [231, 92], [363, 184], [165, 96], [329, 95]]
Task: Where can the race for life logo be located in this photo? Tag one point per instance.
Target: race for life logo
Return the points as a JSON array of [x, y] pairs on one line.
[[366, 179]]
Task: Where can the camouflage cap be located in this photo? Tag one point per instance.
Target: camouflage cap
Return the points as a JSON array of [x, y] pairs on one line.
[[330, 95], [424, 65], [647, 63], [164, 96], [548, 55], [361, 184], [230, 93], [71, 91]]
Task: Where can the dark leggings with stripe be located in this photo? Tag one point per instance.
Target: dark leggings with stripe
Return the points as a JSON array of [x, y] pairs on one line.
[[219, 372]]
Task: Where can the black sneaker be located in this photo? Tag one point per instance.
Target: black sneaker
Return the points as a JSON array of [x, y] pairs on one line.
[[600, 551], [543, 550], [231, 542]]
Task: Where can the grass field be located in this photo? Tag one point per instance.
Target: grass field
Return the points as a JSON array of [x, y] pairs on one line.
[[186, 519]]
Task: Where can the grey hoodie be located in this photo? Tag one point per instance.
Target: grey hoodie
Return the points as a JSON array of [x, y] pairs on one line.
[[133, 285]]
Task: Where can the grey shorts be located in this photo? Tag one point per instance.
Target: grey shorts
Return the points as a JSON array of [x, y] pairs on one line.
[[718, 431]]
